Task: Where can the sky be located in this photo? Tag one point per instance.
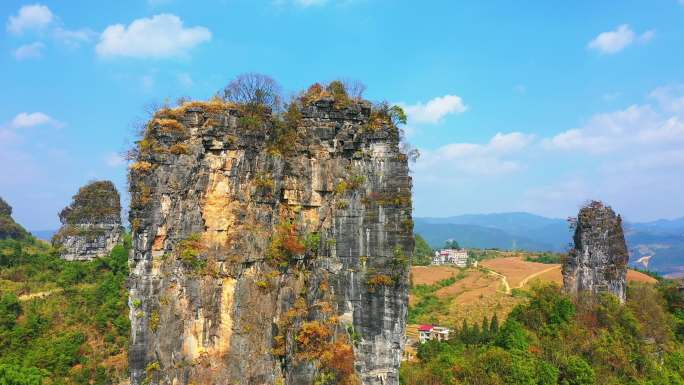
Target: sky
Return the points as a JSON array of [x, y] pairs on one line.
[[533, 106]]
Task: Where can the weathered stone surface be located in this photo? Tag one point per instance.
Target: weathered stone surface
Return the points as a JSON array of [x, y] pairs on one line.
[[9, 229], [598, 261], [91, 224], [269, 254]]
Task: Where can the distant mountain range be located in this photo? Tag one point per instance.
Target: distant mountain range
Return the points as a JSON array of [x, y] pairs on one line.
[[663, 240]]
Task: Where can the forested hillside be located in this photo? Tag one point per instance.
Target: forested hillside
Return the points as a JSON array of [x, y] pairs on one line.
[[553, 339], [62, 322]]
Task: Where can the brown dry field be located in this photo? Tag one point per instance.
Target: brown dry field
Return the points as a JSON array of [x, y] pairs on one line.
[[482, 294], [427, 275], [515, 268], [476, 282], [632, 276]]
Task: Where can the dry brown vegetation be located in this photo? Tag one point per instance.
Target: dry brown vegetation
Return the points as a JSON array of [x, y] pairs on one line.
[[482, 293]]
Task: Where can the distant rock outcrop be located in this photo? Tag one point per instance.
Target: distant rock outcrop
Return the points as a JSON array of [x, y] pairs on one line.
[[91, 224], [598, 262], [9, 229]]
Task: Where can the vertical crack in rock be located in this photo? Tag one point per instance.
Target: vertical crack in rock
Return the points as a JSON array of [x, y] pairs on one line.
[[269, 250], [91, 224], [598, 261]]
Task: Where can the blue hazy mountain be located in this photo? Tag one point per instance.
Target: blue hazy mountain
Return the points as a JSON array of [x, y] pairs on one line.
[[663, 240]]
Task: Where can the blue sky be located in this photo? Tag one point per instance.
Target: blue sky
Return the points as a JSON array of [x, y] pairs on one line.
[[526, 105]]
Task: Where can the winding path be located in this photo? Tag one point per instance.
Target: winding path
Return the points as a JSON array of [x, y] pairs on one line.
[[40, 294]]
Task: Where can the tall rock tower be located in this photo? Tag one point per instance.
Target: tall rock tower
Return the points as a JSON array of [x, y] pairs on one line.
[[91, 224], [598, 262], [270, 249]]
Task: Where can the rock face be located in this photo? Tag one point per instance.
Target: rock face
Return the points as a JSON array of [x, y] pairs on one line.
[[9, 229], [598, 262], [269, 251], [91, 224]]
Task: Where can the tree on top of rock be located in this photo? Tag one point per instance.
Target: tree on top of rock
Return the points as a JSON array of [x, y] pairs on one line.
[[96, 202], [8, 227]]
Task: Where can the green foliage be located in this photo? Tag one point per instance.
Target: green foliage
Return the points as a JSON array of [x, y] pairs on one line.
[[546, 257], [576, 371], [9, 311], [428, 303], [18, 375], [422, 252], [189, 251], [312, 242], [553, 339], [451, 244], [512, 336], [95, 202], [49, 337]]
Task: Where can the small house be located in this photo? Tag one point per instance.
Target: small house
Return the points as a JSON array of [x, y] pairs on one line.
[[430, 332], [451, 257]]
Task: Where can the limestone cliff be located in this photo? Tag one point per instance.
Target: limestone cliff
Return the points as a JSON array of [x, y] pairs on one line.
[[9, 229], [91, 224], [598, 261], [270, 249]]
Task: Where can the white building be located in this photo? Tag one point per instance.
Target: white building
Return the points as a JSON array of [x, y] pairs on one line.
[[429, 332], [451, 257]]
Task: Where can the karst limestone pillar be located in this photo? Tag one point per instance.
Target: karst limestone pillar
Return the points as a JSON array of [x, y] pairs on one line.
[[270, 250], [91, 224], [598, 261]]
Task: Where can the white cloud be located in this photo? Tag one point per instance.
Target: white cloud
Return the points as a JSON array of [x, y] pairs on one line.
[[29, 51], [24, 120], [631, 158], [114, 160], [647, 36], [159, 36], [434, 110], [670, 98], [612, 42], [74, 38], [491, 158], [636, 127], [35, 16], [185, 80]]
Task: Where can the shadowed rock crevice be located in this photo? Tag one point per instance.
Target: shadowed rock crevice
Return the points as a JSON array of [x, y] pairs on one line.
[[270, 249]]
